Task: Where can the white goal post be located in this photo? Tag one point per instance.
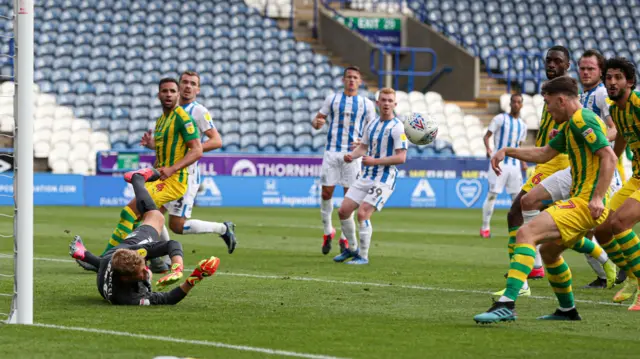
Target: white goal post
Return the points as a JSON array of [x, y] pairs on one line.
[[22, 304]]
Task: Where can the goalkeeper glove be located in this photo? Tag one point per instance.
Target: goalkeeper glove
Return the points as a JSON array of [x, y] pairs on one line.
[[206, 268], [174, 275]]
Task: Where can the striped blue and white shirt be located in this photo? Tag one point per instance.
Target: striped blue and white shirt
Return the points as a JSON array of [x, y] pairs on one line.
[[508, 132], [596, 100], [383, 139], [347, 117], [204, 122]]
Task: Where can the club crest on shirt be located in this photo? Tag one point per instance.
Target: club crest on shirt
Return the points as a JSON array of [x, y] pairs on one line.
[[589, 135], [190, 128]]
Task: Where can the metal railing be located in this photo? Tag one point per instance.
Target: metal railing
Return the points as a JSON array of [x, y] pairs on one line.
[[396, 71]]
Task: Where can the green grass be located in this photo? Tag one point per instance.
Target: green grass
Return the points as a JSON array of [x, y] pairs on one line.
[[381, 316]]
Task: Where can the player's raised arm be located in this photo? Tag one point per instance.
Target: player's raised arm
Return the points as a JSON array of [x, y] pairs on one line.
[[529, 154]]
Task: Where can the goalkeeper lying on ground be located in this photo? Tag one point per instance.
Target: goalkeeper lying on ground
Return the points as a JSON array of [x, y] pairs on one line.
[[123, 278]]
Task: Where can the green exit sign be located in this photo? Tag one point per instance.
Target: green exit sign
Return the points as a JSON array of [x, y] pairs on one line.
[[371, 23]]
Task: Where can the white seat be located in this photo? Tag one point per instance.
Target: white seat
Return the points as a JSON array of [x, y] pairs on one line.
[[527, 100], [80, 136], [80, 124], [455, 119], [458, 131], [436, 108], [41, 149], [474, 132], [60, 166], [471, 120], [403, 107], [505, 100], [60, 137], [7, 88], [80, 149], [432, 97], [7, 124], [402, 96], [45, 100], [538, 100], [419, 107], [99, 137], [100, 146], [61, 124], [6, 110], [451, 109], [79, 167], [6, 101], [415, 96], [57, 154], [532, 122], [43, 134], [62, 112]]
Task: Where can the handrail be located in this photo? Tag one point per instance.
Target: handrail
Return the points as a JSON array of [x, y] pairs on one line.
[[410, 73], [434, 79]]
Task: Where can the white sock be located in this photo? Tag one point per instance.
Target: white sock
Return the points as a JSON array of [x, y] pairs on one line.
[[326, 210], [366, 230], [529, 215], [525, 285], [487, 210], [349, 231], [504, 299], [537, 262], [597, 266], [196, 226], [566, 309], [164, 235], [513, 197]]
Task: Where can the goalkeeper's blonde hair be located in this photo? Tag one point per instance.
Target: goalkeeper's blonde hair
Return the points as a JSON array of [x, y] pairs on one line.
[[127, 261]]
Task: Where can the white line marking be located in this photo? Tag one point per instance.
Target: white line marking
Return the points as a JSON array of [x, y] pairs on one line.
[[188, 341], [6, 295], [370, 284]]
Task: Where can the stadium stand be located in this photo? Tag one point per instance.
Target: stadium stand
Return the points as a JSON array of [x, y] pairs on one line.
[[486, 27], [98, 63]]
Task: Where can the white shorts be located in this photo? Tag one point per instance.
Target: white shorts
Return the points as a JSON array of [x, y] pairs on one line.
[[182, 207], [366, 190], [511, 178], [335, 171], [559, 184]]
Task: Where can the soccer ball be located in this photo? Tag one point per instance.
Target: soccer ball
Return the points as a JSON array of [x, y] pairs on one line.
[[420, 129]]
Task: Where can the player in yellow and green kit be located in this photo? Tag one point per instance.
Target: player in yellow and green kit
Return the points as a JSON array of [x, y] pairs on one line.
[[592, 162], [616, 235], [178, 145], [557, 62]]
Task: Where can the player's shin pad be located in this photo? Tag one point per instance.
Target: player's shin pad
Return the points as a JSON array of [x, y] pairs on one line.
[[206, 268], [174, 275]]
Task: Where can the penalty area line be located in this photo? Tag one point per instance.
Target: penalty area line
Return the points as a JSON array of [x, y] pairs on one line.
[[187, 341], [370, 284]]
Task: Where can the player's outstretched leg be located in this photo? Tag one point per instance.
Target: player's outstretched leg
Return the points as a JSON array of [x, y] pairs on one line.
[[229, 237], [560, 279], [79, 252], [144, 202], [487, 212]]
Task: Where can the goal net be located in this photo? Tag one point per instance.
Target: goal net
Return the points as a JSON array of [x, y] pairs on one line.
[[16, 142]]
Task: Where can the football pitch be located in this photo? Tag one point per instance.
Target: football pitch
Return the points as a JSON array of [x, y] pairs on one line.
[[278, 296]]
